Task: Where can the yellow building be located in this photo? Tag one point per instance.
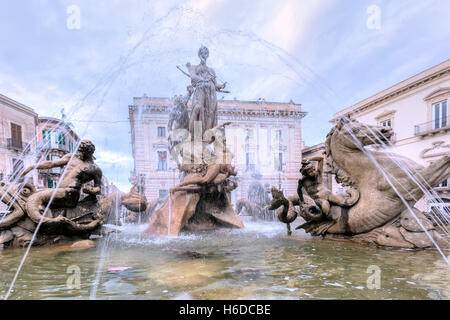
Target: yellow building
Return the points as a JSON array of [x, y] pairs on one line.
[[265, 138], [17, 131]]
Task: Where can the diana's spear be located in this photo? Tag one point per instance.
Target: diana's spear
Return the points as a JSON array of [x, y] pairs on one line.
[[188, 75]]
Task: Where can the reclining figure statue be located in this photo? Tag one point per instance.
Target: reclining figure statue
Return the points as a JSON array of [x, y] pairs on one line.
[[61, 213]]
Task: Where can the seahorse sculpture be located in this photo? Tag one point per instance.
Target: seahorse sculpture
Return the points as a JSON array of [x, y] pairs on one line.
[[380, 216]]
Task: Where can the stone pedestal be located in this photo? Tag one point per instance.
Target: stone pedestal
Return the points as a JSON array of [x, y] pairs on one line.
[[193, 211]]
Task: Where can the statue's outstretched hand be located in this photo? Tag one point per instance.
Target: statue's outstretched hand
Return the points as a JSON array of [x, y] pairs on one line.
[[26, 171], [92, 190]]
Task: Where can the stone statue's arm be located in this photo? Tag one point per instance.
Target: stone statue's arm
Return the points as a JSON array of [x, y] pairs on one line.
[[222, 125], [213, 78], [299, 190], [190, 91], [96, 189], [48, 164], [320, 170], [319, 167]]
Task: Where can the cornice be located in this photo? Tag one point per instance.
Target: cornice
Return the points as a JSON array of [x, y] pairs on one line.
[[439, 146], [385, 114], [437, 93], [237, 112]]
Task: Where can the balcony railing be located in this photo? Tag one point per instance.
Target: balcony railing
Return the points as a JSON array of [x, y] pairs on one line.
[[14, 144], [59, 146], [434, 126]]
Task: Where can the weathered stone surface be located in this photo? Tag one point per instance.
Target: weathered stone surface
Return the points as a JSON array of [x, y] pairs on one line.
[[6, 236], [20, 232], [421, 239], [408, 222], [143, 216], [392, 237], [83, 244], [27, 224], [175, 214], [22, 237]]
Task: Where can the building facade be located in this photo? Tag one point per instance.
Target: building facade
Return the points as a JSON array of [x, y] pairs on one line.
[[264, 137], [55, 138], [417, 109], [17, 131]]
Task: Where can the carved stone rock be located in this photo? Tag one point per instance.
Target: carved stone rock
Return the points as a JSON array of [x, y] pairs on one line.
[[63, 213]]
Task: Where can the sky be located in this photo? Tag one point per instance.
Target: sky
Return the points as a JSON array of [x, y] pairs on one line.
[[92, 57]]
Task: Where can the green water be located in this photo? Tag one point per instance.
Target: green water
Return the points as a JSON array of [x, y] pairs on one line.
[[258, 262]]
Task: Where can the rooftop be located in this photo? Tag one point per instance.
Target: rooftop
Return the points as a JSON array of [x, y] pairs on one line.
[[12, 103], [225, 104], [51, 121]]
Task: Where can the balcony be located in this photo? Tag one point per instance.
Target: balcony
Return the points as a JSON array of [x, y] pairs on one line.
[[14, 144], [58, 146], [432, 127]]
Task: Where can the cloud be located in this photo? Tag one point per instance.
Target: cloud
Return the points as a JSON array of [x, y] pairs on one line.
[[290, 23], [113, 158]]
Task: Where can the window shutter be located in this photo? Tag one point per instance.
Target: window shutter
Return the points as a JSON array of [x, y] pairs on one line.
[[16, 133]]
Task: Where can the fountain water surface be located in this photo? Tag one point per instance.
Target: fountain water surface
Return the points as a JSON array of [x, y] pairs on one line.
[[256, 262]]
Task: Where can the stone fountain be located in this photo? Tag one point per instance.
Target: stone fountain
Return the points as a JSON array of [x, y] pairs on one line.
[[198, 145]]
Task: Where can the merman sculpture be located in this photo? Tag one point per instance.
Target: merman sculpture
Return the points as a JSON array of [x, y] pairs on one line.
[[63, 214]]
